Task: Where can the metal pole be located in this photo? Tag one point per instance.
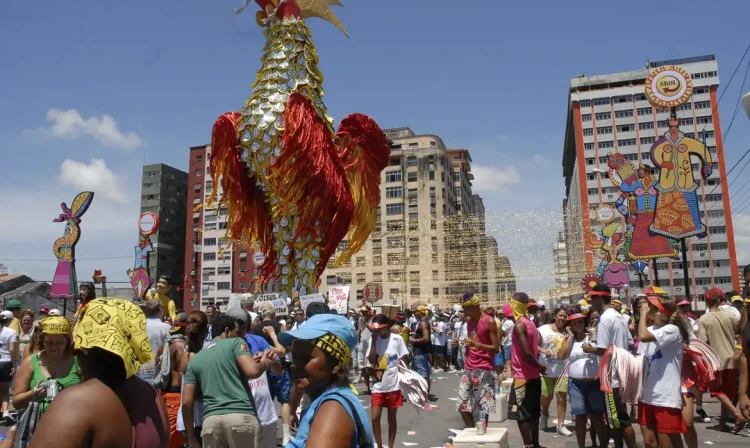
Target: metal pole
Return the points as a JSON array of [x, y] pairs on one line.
[[65, 306], [656, 274], [685, 269]]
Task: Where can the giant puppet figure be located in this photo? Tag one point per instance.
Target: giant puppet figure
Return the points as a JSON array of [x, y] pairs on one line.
[[294, 187], [65, 282], [607, 245], [676, 215], [637, 200], [148, 224]]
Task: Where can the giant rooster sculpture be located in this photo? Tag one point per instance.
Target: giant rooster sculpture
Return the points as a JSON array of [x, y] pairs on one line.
[[294, 187]]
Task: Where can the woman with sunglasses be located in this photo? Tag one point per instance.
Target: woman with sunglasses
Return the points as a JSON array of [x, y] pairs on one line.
[[321, 351], [586, 398], [660, 406]]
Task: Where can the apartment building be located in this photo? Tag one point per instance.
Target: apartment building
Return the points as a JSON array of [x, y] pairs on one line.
[[429, 244], [610, 113], [164, 192]]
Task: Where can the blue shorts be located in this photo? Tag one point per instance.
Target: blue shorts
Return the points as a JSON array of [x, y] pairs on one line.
[[507, 352], [499, 359], [421, 363], [585, 397]]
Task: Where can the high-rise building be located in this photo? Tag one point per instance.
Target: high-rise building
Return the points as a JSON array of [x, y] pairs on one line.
[[560, 257], [164, 192], [215, 267], [611, 114], [429, 244]]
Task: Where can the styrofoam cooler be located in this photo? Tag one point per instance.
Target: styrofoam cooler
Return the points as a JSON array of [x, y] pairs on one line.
[[501, 409], [494, 438]]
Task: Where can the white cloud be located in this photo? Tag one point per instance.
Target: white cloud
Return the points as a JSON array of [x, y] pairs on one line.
[[492, 178], [538, 158], [94, 177], [69, 123]]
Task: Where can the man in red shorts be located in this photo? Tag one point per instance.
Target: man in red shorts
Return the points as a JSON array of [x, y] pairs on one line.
[[386, 351], [719, 330]]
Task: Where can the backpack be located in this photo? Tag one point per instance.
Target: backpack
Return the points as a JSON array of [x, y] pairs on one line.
[[163, 378]]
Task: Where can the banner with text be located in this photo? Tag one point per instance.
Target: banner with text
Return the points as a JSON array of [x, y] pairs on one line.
[[276, 300], [338, 299], [312, 298]]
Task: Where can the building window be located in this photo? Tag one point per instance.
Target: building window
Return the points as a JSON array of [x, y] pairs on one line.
[[224, 270], [198, 172], [199, 158], [646, 125], [435, 292], [644, 111], [431, 175], [586, 103], [647, 140], [222, 285], [209, 256], [591, 176], [377, 260], [601, 101], [604, 130], [361, 278], [715, 213], [393, 176], [361, 262], [394, 192], [627, 142], [197, 187], [719, 246], [377, 277], [411, 161], [394, 226], [604, 116], [209, 241], [414, 292], [394, 209], [609, 144], [394, 242], [411, 177], [395, 276], [588, 131], [717, 230], [704, 120], [626, 128], [243, 269], [624, 113], [588, 146], [586, 117]]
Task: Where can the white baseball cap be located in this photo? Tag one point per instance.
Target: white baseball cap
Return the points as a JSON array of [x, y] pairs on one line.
[[7, 314], [540, 304], [55, 312]]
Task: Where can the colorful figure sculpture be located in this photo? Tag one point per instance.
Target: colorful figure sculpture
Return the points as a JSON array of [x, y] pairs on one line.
[[676, 214], [65, 282], [607, 245], [636, 203], [148, 224], [294, 187], [141, 252]]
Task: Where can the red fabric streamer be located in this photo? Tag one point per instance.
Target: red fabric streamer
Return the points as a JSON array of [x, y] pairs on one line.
[[310, 173], [706, 364], [249, 217], [362, 131]]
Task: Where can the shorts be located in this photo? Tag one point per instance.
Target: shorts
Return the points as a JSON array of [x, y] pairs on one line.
[[499, 360], [507, 353], [525, 402], [728, 385], [438, 350], [449, 347], [476, 390], [550, 385], [5, 368], [421, 363], [665, 420], [390, 400], [586, 398], [618, 416], [173, 401], [280, 385], [362, 354]]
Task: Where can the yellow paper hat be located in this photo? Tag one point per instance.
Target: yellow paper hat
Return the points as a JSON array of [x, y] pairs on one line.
[[56, 325], [117, 326]]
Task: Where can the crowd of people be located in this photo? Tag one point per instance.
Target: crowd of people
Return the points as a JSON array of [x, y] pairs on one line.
[[211, 378]]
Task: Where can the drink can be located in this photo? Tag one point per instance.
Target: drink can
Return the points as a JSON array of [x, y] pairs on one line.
[[53, 388]]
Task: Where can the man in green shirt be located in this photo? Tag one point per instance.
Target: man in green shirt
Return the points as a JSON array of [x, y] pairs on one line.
[[221, 371]]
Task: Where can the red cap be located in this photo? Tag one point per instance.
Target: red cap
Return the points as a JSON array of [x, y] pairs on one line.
[[683, 302], [44, 309]]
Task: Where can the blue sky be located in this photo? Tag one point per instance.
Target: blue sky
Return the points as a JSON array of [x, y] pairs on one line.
[[488, 76]]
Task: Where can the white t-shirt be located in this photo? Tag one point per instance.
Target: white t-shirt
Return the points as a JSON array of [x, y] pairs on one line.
[[612, 330], [263, 401], [663, 372], [440, 336], [459, 329], [508, 329], [390, 350], [551, 340], [7, 336], [582, 365]]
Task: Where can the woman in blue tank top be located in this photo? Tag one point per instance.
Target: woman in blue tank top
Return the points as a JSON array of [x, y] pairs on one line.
[[321, 351]]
